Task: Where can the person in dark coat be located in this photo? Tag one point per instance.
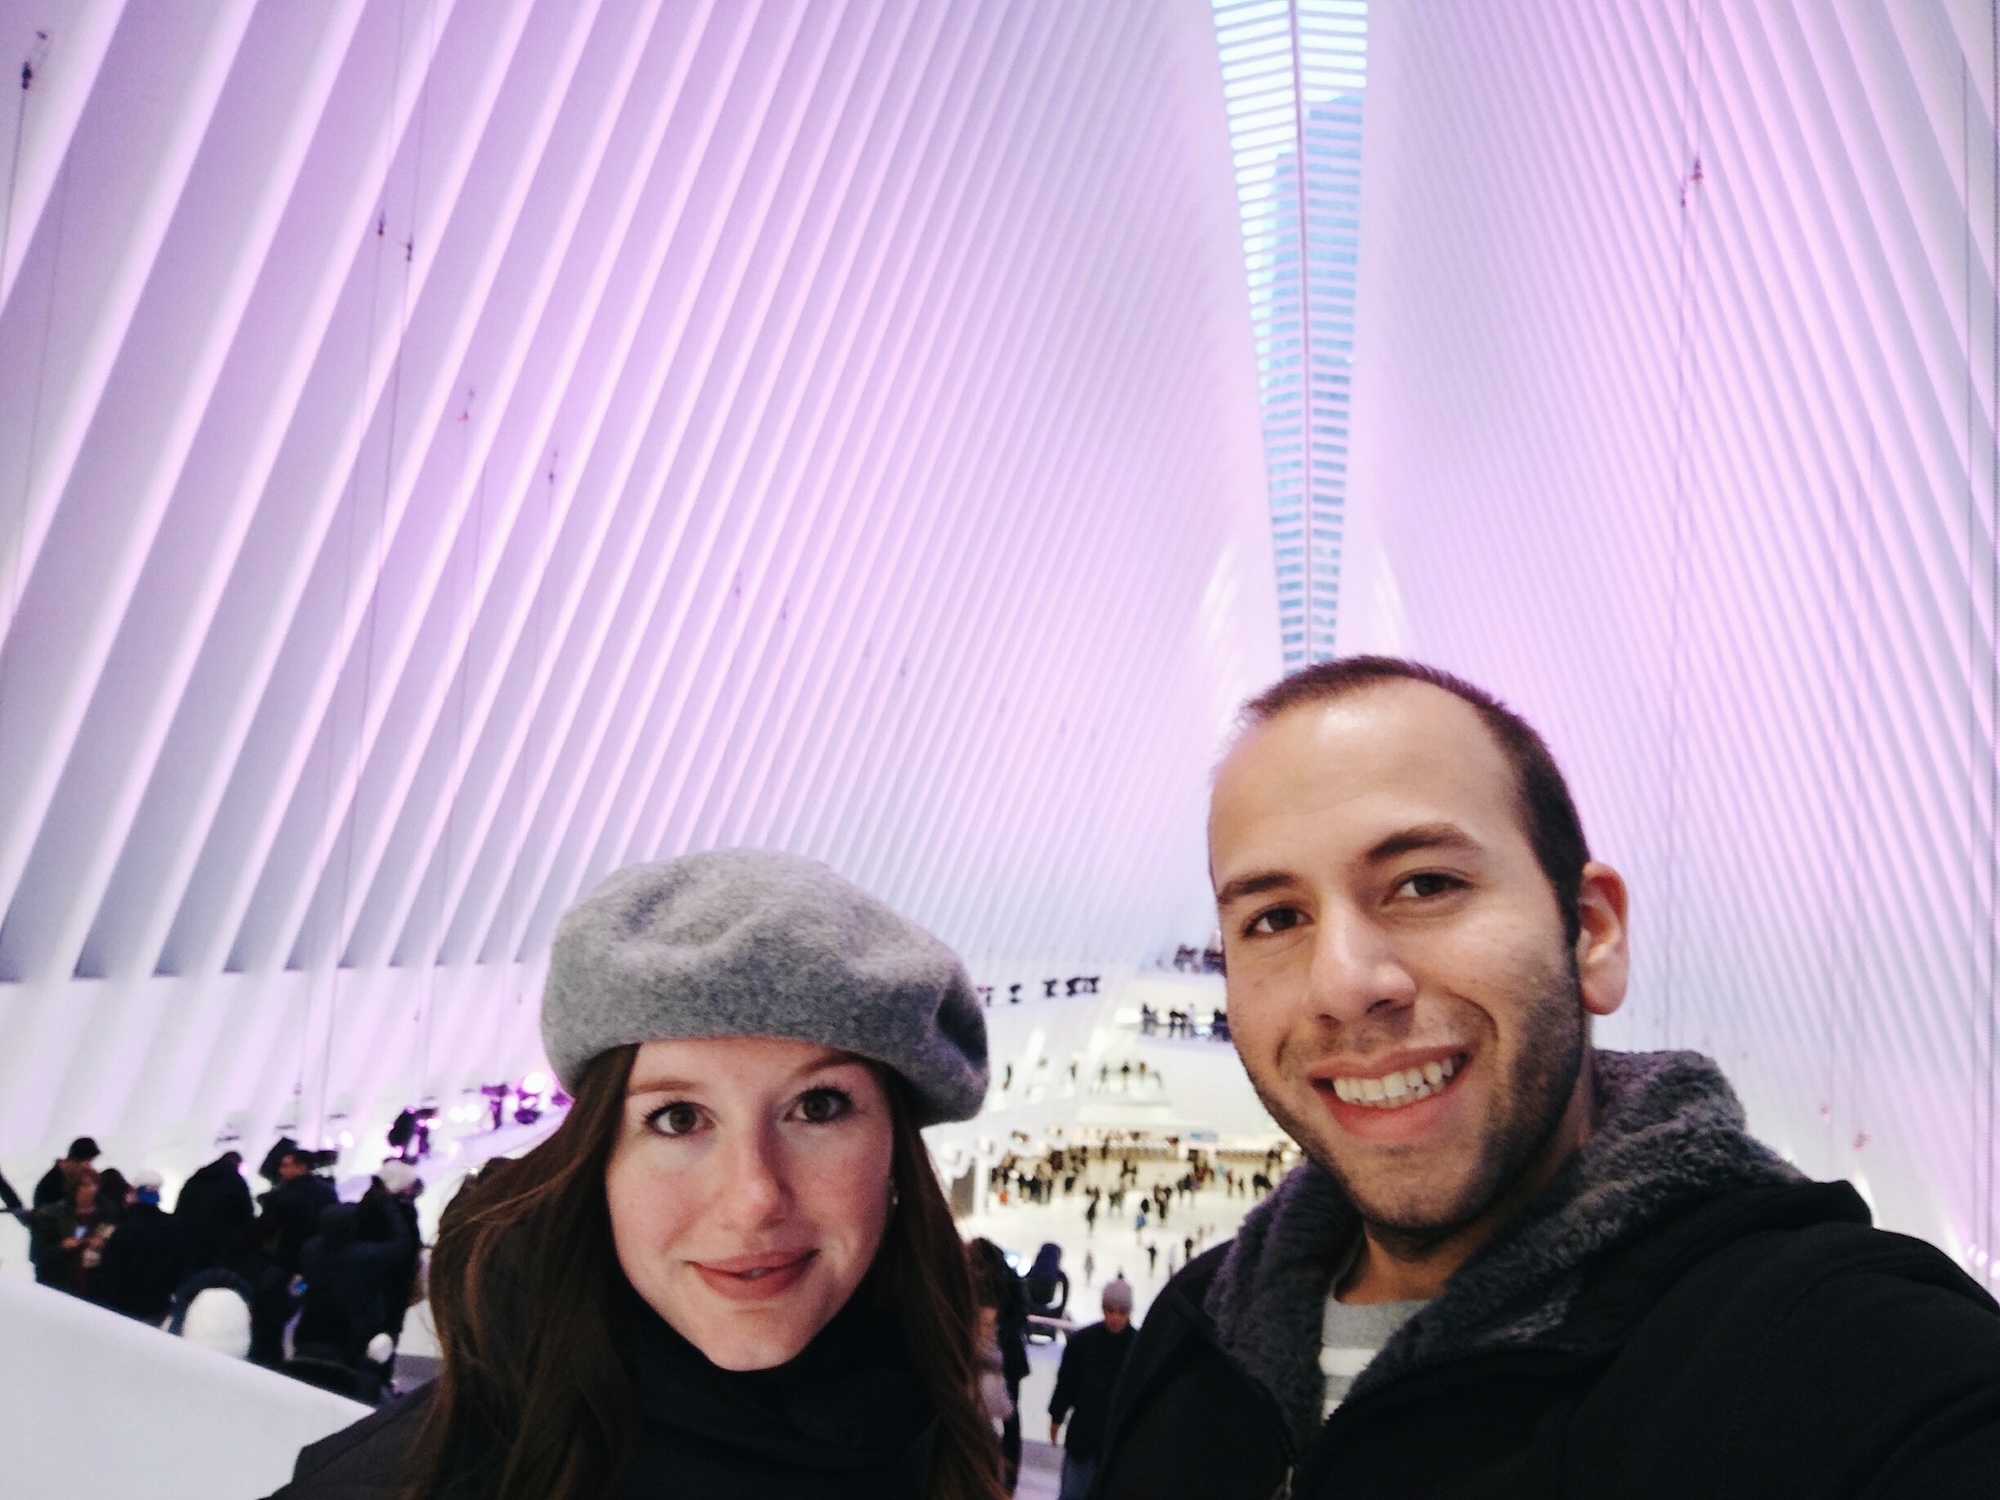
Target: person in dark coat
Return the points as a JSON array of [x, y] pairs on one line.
[[1512, 1264], [292, 1208], [392, 1195], [346, 1301], [145, 1258], [60, 1179], [114, 1191], [66, 1237], [290, 1214], [999, 1289], [1047, 1284], [1091, 1362], [215, 1214], [52, 1192], [731, 1270]]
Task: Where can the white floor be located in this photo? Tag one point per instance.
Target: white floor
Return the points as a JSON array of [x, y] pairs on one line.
[[1041, 1472]]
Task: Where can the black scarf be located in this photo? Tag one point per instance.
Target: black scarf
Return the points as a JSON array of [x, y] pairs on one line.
[[851, 1403]]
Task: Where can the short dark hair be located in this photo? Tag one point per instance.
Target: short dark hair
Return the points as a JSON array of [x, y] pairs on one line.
[[83, 1148], [1548, 813]]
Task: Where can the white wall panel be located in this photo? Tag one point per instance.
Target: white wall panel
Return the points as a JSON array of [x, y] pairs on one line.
[[1678, 433], [449, 451]]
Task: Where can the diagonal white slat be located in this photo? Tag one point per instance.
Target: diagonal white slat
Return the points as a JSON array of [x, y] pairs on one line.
[[536, 436], [1695, 307]]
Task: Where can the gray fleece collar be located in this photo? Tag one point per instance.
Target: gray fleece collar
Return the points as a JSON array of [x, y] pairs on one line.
[[1671, 1134]]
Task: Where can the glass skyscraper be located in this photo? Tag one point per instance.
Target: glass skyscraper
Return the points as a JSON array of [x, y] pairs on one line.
[[1293, 72]]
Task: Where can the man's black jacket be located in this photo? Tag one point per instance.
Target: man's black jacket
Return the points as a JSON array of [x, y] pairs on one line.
[[1090, 1364], [291, 1215], [1765, 1343]]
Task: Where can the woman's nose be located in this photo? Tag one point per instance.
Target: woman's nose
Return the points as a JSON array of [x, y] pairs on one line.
[[755, 1185]]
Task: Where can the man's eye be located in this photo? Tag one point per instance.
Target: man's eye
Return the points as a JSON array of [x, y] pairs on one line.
[[1278, 919], [1424, 886], [678, 1118], [821, 1106]]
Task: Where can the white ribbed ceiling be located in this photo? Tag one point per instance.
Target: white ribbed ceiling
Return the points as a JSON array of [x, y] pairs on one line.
[[449, 451], [1679, 432]]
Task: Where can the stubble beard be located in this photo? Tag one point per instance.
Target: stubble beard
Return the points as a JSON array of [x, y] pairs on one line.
[[1538, 1091]]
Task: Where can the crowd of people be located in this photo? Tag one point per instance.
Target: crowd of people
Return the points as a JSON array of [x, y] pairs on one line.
[[1183, 1023], [1141, 1180], [292, 1278]]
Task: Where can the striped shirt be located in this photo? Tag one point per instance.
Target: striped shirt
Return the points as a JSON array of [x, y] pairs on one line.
[[1352, 1335]]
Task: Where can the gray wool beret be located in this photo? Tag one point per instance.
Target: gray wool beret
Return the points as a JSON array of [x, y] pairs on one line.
[[751, 942]]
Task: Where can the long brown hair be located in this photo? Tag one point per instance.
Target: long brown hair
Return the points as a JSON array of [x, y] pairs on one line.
[[533, 1403]]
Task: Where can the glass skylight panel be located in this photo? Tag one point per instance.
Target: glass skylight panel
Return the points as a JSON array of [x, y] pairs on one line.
[[1281, 60]]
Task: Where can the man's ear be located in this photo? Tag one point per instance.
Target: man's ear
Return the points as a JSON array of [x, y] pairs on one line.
[[1603, 962]]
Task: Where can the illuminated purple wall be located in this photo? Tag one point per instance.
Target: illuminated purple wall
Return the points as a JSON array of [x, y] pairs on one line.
[[1677, 430], [448, 451]]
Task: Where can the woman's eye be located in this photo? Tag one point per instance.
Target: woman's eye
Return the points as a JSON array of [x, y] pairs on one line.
[[1278, 919], [675, 1119], [820, 1106]]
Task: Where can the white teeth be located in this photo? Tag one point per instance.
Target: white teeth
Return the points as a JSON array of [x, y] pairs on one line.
[[754, 1274], [1394, 1090]]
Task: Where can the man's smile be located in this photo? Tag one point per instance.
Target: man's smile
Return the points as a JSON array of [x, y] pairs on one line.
[[1394, 1086]]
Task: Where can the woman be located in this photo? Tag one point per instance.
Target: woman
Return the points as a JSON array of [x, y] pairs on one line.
[[1003, 1326], [731, 1269], [113, 1190]]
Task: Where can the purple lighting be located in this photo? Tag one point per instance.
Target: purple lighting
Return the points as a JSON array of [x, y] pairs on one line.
[[1679, 434], [449, 451]]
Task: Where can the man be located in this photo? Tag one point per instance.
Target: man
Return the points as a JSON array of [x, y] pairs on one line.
[[293, 1206], [215, 1214], [52, 1193], [145, 1259], [1509, 1265], [290, 1216], [60, 1179], [1090, 1364]]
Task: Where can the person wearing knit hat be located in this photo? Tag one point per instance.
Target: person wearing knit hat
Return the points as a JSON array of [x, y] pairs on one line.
[[1091, 1361], [731, 1269]]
